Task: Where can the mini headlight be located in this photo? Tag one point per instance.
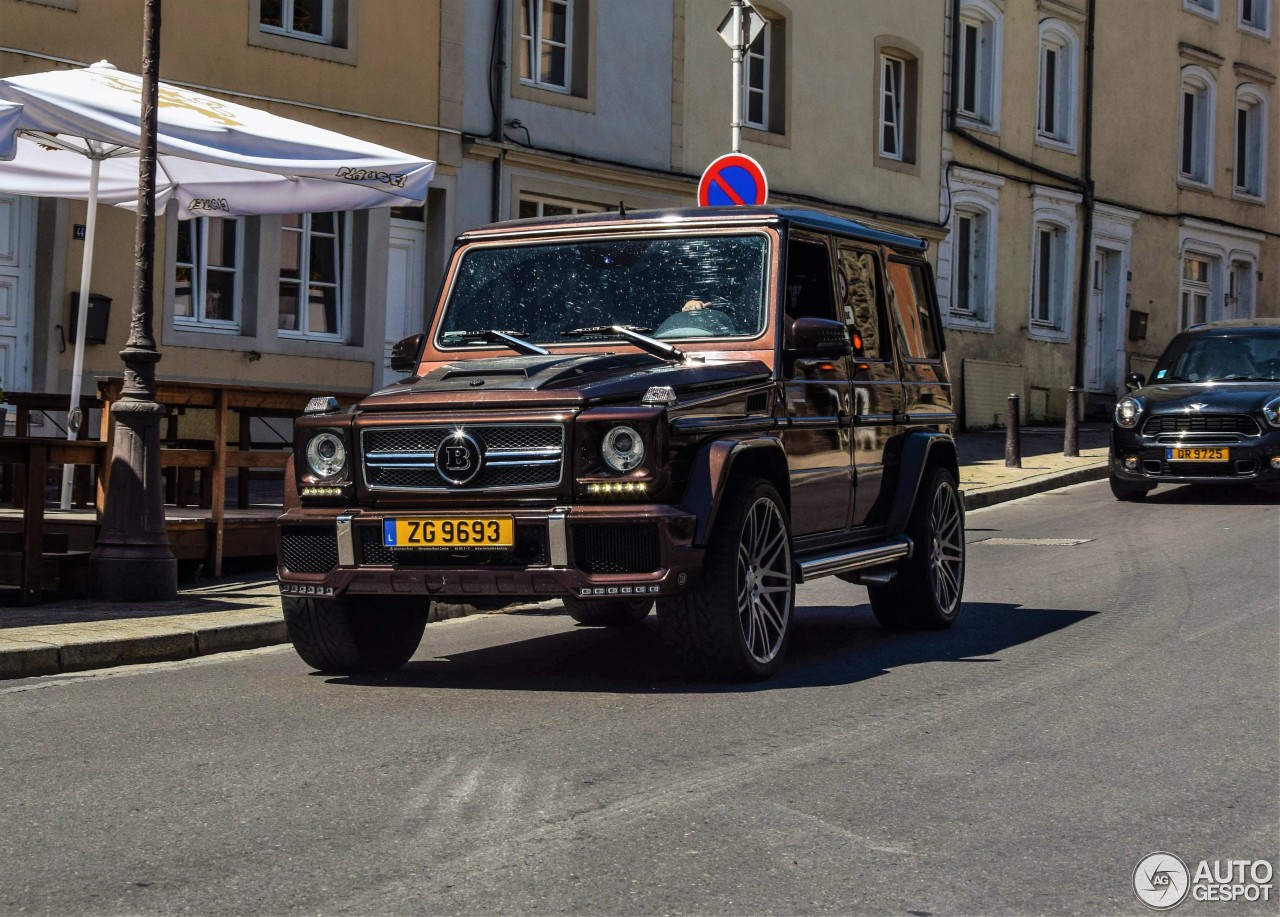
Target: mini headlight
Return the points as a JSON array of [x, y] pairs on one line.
[[1271, 411], [326, 454], [1127, 412], [622, 448]]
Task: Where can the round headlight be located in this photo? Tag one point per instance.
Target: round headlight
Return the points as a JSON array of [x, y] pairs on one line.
[[622, 449], [1271, 411], [326, 454], [1127, 412]]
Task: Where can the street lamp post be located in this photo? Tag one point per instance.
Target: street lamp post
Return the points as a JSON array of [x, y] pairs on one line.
[[133, 560]]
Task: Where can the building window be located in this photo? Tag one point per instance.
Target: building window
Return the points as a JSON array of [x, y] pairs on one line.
[[206, 294], [978, 67], [1197, 290], [892, 106], [1056, 102], [311, 20], [1250, 142], [1195, 157], [537, 206], [972, 280], [546, 40], [314, 275], [755, 82], [1207, 8], [1047, 300], [1255, 16]]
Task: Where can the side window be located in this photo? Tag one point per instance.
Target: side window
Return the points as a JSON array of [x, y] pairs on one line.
[[808, 281], [857, 285], [909, 301]]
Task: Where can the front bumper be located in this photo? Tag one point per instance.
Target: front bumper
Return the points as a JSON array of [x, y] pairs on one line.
[[1249, 462], [614, 551]]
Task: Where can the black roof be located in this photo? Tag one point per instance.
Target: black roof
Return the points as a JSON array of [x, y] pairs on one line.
[[1234, 324], [807, 219]]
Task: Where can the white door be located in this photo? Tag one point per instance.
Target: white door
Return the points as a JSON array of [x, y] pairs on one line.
[[17, 245], [406, 276], [1103, 356]]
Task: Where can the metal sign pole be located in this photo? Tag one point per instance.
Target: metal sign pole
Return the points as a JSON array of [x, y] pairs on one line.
[[735, 10]]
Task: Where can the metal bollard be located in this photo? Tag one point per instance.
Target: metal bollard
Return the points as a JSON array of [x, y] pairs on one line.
[[1071, 444], [1013, 434]]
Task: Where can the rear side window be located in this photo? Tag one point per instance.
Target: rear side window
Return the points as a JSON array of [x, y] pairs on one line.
[[909, 301], [858, 283]]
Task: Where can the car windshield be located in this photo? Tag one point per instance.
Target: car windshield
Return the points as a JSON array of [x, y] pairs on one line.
[[1242, 356], [700, 286]]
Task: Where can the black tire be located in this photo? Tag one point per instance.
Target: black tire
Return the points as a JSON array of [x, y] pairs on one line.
[[926, 592], [350, 636], [734, 625], [608, 612], [1129, 493]]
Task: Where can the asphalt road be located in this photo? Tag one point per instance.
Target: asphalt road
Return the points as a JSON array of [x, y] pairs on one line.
[[1096, 702]]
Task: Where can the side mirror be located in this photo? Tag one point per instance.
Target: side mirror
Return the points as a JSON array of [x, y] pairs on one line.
[[1134, 381], [820, 336], [404, 353]]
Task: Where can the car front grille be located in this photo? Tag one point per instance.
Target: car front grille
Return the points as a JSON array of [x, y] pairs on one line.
[[1201, 423], [516, 457], [617, 547], [308, 548]]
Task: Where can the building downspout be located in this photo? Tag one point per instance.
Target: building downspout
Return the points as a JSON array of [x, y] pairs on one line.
[[1086, 241], [498, 90]]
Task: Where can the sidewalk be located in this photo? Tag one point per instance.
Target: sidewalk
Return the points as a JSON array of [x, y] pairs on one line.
[[244, 612]]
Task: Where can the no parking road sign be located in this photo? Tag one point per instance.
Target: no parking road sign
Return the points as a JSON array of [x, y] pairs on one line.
[[733, 179]]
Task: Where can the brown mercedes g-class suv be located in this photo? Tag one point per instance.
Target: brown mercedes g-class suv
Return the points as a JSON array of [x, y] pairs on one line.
[[696, 409]]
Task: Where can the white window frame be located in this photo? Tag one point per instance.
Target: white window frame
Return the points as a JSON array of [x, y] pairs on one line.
[[1252, 103], [973, 193], [986, 20], [1060, 39], [325, 37], [1053, 211], [533, 41], [762, 90], [341, 286], [1200, 83], [1189, 289], [542, 201], [1260, 22], [1222, 246], [199, 266], [1206, 8], [893, 91]]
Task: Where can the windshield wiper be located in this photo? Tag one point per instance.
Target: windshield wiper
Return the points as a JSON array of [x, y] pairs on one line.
[[493, 336], [633, 334]]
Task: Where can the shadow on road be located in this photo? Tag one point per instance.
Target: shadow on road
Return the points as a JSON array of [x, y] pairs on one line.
[[829, 646], [1214, 495]]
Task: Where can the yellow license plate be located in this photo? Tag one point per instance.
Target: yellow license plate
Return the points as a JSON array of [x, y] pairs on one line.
[[1198, 455], [450, 532]]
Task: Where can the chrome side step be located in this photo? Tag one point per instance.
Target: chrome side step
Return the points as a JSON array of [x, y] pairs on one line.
[[845, 561]]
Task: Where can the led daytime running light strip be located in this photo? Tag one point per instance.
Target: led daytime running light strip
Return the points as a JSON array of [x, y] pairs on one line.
[[615, 488], [322, 491]]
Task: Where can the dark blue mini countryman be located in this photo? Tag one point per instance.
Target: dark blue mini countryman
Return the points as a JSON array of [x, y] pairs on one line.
[[1210, 413]]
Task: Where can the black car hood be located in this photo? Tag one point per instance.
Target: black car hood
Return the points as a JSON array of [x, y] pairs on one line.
[[582, 378], [1215, 397]]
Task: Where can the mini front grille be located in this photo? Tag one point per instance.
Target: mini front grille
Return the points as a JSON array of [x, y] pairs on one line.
[[516, 456], [530, 550], [1201, 423], [308, 548], [617, 548]]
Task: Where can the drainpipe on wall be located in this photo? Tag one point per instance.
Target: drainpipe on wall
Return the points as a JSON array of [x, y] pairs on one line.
[[498, 87], [1086, 241]]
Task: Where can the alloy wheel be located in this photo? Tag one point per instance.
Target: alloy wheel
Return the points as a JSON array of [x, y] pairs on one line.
[[765, 588]]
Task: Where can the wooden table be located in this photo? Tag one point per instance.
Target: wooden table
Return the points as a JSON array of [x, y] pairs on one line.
[[35, 454]]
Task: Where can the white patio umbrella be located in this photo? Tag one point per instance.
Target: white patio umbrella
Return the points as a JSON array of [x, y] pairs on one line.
[[77, 137]]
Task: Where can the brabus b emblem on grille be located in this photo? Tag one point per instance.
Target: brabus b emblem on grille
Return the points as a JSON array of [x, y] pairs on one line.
[[459, 458]]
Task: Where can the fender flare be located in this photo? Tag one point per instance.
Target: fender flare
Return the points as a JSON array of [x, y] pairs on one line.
[[921, 449], [710, 473]]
